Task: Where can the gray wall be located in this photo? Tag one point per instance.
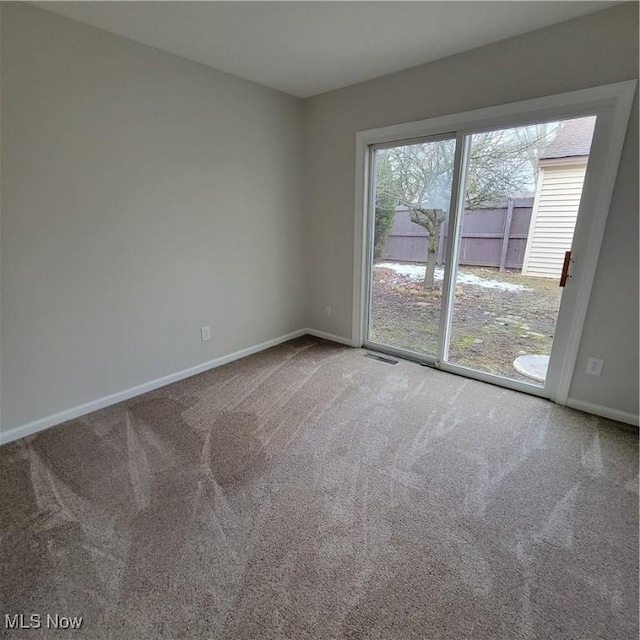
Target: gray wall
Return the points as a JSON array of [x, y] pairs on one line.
[[121, 165], [597, 49]]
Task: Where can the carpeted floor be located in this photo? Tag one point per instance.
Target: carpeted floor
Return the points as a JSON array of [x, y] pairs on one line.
[[309, 492]]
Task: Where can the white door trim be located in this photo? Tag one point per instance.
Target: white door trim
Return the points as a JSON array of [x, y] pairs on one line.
[[612, 103]]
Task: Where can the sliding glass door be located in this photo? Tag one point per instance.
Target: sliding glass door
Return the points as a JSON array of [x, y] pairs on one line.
[[521, 205], [470, 240], [412, 199]]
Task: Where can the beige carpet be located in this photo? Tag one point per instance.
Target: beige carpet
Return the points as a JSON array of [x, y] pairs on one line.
[[311, 492]]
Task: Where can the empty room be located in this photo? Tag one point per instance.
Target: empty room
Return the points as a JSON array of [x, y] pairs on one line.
[[319, 320]]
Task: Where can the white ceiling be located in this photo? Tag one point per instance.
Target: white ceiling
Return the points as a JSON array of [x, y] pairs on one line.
[[306, 48]]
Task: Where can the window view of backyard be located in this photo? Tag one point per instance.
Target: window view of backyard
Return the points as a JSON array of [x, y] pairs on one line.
[[499, 316], [523, 188]]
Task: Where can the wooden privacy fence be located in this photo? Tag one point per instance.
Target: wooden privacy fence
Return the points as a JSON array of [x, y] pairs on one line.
[[492, 236]]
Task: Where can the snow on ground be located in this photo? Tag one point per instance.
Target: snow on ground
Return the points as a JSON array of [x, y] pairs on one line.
[[416, 272]]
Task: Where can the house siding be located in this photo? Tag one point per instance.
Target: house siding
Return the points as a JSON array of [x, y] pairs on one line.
[[554, 219]]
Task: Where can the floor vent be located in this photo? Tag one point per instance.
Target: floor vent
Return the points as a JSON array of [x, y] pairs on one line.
[[380, 358]]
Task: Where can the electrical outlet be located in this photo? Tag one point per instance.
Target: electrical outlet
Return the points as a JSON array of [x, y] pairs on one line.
[[327, 311], [594, 366], [205, 334]]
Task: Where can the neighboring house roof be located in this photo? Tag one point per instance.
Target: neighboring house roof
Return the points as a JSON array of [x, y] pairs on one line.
[[572, 140]]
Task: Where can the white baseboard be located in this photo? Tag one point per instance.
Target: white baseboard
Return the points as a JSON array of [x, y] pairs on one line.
[[106, 401], [329, 336], [587, 407], [605, 412]]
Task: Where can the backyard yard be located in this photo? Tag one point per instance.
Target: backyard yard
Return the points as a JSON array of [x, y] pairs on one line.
[[497, 316]]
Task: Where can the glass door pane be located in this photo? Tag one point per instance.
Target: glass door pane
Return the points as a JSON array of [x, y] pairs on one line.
[[523, 189], [412, 198]]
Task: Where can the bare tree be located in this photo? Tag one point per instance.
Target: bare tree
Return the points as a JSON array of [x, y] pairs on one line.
[[420, 176]]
